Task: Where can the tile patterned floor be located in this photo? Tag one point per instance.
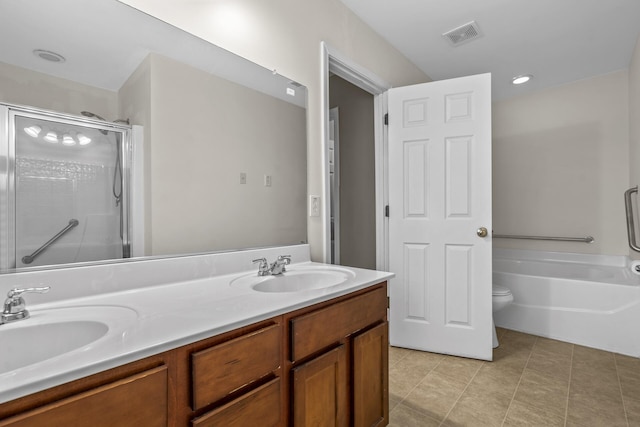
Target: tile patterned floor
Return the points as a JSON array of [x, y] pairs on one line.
[[532, 381]]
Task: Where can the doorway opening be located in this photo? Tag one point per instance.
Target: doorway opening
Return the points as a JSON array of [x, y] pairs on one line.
[[355, 226]]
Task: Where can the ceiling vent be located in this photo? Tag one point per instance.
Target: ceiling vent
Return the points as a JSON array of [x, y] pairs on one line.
[[463, 34]]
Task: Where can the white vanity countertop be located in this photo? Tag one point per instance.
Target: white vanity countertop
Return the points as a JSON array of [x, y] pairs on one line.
[[164, 317]]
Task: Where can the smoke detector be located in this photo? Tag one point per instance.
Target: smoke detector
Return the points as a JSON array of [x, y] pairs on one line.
[[463, 34], [47, 55]]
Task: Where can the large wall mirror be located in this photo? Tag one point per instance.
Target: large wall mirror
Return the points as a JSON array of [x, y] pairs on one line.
[[224, 139]]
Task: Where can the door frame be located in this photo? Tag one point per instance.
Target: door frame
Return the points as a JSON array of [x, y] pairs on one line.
[[335, 62]]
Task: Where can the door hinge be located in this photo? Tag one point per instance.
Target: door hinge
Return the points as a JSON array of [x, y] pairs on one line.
[[386, 119], [386, 211], [388, 302]]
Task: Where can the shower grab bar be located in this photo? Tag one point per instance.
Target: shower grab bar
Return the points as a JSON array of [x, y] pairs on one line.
[[587, 239], [631, 228], [28, 259]]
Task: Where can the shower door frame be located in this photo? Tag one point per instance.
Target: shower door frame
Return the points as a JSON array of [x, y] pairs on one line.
[[8, 114]]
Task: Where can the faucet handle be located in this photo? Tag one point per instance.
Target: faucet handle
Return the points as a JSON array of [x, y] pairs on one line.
[[285, 258], [16, 292], [14, 305], [263, 268]]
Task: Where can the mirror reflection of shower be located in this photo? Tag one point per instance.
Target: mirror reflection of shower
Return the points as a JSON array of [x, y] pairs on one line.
[[117, 183], [67, 189]]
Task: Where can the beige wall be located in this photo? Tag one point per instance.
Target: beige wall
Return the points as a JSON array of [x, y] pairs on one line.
[[200, 148], [357, 173], [30, 88], [560, 165], [285, 35], [634, 122]]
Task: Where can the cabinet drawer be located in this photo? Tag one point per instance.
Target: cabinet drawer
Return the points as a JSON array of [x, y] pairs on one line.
[[259, 407], [321, 328], [138, 400], [221, 369]]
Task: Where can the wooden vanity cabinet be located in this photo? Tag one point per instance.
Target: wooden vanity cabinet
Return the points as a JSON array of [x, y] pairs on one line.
[[326, 364], [338, 361], [132, 401]]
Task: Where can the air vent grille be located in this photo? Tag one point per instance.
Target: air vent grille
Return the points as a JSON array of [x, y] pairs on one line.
[[463, 34]]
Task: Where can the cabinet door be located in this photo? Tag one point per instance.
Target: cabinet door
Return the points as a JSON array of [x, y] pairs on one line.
[[320, 391], [371, 377], [138, 400]]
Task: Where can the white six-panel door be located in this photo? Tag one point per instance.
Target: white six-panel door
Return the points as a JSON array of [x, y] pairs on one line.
[[440, 199]]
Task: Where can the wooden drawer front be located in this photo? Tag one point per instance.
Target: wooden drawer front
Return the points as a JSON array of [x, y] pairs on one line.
[[221, 369], [138, 400], [259, 407], [321, 328]]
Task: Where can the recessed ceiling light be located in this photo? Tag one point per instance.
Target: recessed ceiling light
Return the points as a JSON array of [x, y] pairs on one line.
[[518, 80], [47, 55]]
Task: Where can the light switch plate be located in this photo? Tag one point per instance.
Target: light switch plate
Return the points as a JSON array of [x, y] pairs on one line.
[[314, 205]]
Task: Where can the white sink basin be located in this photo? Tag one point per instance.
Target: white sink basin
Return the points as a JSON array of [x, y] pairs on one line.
[[296, 279], [48, 334]]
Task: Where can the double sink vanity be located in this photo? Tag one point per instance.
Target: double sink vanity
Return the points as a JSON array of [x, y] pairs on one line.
[[200, 340]]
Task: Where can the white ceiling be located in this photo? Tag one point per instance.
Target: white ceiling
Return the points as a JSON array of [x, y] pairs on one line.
[[558, 41]]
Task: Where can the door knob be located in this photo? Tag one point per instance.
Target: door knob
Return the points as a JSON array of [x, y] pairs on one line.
[[482, 232]]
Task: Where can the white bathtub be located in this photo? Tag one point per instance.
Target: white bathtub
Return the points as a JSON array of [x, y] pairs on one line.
[[590, 300]]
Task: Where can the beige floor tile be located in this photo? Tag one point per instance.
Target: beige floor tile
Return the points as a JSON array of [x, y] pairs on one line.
[[393, 401], [553, 346], [629, 375], [551, 364], [595, 382], [396, 354], [435, 395], [521, 414], [478, 408], [407, 372], [494, 377], [402, 416], [459, 368], [532, 381], [401, 382], [591, 355], [513, 361], [520, 339], [587, 410], [543, 392], [627, 362], [632, 408]]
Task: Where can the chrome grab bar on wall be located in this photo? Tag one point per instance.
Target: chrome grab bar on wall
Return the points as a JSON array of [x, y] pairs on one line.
[[631, 228], [587, 239], [28, 259]]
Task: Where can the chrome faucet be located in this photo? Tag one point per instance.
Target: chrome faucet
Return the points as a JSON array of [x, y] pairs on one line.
[[263, 268], [14, 305], [276, 268], [279, 265]]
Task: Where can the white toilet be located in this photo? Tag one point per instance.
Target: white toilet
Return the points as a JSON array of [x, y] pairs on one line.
[[501, 297]]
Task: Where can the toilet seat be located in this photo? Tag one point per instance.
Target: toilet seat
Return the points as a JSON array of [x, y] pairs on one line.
[[500, 291]]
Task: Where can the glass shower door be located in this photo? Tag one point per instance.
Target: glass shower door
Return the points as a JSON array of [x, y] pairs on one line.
[[69, 190]]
